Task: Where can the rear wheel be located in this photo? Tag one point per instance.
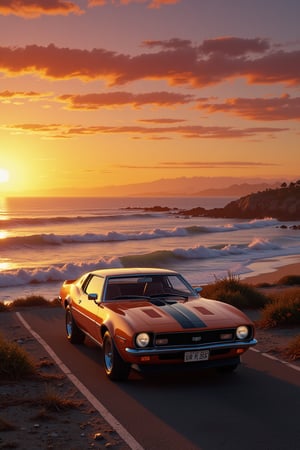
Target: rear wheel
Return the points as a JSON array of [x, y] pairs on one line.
[[115, 368], [74, 334]]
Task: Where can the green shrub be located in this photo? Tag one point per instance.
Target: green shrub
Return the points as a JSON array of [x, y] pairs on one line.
[[231, 290], [15, 362], [284, 310], [292, 351]]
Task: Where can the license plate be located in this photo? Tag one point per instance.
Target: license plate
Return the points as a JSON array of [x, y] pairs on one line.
[[198, 355]]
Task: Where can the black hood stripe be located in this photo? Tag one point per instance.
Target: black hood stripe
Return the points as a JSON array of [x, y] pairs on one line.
[[185, 317]]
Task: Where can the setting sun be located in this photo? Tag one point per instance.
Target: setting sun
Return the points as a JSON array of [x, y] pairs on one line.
[[4, 175]]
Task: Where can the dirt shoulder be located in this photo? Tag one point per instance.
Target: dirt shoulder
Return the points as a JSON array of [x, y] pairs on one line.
[[27, 421]]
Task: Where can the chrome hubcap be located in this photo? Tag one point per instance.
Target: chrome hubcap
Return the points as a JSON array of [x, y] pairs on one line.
[[69, 324], [108, 355]]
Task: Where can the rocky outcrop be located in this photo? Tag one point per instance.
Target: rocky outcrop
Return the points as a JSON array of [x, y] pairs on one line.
[[282, 203]]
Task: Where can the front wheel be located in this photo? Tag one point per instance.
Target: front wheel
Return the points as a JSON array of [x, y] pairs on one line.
[[74, 334], [115, 368]]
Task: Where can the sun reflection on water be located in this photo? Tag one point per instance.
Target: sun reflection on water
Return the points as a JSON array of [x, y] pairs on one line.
[[3, 234]]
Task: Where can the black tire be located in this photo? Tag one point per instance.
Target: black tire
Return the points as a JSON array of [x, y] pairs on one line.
[[74, 334], [115, 368]]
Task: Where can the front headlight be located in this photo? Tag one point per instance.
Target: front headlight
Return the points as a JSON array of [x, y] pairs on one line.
[[242, 332], [142, 339]]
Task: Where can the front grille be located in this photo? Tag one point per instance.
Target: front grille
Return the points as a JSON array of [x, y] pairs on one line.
[[194, 338]]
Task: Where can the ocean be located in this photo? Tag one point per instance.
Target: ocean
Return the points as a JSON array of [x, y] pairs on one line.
[[44, 241]]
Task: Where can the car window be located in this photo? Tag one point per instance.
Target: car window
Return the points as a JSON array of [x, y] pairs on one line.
[[95, 285], [148, 285]]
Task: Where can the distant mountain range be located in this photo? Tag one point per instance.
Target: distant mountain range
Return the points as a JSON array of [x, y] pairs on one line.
[[176, 187], [191, 187]]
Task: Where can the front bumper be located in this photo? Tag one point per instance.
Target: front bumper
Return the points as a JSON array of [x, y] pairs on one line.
[[157, 351]]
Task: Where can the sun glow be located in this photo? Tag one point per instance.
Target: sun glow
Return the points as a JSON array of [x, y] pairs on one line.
[[4, 175]]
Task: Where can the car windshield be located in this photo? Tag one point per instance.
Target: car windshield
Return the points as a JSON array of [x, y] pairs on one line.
[[148, 286]]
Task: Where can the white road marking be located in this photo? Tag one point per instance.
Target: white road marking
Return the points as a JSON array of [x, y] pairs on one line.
[[266, 355], [123, 433]]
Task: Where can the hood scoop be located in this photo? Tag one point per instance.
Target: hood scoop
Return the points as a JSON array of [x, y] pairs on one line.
[[204, 311], [151, 313]]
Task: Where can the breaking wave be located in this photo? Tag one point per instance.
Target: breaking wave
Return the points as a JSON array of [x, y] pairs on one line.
[[46, 239], [257, 248]]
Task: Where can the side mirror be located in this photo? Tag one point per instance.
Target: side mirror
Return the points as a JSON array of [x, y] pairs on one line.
[[93, 297], [198, 289]]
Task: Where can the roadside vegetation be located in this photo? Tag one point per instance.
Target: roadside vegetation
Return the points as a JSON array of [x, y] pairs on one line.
[[283, 310], [231, 290], [277, 310], [15, 362]]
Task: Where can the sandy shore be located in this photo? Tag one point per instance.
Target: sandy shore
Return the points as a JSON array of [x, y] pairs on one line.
[[274, 275]]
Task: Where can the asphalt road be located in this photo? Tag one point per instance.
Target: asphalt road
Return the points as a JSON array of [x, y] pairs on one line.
[[257, 408]]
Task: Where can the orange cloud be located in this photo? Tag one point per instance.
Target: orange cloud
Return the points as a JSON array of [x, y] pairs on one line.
[[115, 99], [150, 3], [199, 165], [30, 94], [37, 8], [177, 62], [278, 108], [151, 132]]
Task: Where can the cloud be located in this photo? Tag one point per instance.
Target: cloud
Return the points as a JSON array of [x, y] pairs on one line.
[[234, 46], [116, 99], [169, 165], [178, 63], [149, 3], [36, 8], [162, 120], [146, 132], [263, 109], [21, 94]]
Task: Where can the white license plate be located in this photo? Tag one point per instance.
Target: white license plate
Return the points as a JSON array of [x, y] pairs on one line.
[[198, 355]]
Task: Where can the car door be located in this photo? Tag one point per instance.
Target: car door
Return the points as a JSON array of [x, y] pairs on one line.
[[90, 307]]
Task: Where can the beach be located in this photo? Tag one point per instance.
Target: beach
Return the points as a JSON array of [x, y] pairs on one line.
[[275, 275]]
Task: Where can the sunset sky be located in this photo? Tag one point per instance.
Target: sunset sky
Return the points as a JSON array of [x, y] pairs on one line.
[[111, 92]]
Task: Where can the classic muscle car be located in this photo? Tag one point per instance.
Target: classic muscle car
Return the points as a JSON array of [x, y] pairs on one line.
[[153, 319]]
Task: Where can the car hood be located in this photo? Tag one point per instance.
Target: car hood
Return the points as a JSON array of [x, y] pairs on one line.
[[178, 316]]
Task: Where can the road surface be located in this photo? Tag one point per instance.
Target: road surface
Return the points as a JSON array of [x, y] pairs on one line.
[[257, 408]]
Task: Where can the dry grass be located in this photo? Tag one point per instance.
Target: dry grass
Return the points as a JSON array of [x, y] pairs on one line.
[[31, 300], [292, 351], [15, 362], [231, 290], [54, 401], [283, 310]]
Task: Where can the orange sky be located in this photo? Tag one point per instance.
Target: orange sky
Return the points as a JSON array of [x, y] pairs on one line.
[[96, 93]]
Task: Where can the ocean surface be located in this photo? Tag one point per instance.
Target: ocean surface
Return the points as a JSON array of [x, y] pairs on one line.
[[45, 241]]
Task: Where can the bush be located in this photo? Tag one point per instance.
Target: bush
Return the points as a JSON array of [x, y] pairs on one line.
[[284, 310], [32, 300], [289, 280], [293, 349], [231, 290], [54, 401], [15, 362]]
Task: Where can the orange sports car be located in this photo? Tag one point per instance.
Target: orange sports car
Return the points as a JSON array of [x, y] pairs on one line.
[[153, 319]]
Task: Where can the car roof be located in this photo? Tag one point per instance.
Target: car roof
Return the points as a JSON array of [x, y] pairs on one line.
[[131, 271]]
